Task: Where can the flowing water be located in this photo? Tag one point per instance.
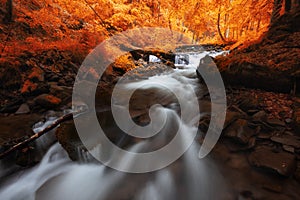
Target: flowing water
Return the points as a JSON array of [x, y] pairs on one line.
[[56, 177]]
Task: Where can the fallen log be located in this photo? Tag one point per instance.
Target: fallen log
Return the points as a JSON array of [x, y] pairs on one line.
[[22, 144]]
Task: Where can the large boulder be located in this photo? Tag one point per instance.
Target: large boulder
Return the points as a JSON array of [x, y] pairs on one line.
[[281, 163]]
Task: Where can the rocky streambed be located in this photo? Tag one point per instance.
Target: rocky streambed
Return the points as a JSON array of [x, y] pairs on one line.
[[258, 152]]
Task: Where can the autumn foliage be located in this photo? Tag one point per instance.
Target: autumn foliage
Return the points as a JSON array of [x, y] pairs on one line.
[[82, 24]]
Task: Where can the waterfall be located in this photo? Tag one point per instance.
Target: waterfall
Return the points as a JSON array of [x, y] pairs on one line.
[[56, 177]]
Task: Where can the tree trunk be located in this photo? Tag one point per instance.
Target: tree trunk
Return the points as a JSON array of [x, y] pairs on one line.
[[9, 12], [218, 26], [276, 10], [287, 6]]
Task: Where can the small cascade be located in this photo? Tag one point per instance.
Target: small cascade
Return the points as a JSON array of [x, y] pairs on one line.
[[57, 177]]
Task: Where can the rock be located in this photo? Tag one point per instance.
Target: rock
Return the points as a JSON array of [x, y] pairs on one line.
[[37, 75], [68, 138], [248, 103], [27, 157], [288, 120], [275, 122], [10, 76], [231, 117], [297, 174], [239, 131], [61, 82], [69, 79], [297, 101], [237, 147], [259, 116], [241, 72], [12, 106], [31, 88], [252, 112], [281, 163], [47, 101], [297, 118], [23, 109], [287, 140], [62, 92], [273, 187], [264, 135], [245, 195], [288, 148], [16, 126], [54, 78]]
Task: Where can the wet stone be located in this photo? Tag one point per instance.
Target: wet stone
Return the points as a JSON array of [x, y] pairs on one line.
[[287, 140], [281, 163], [275, 122], [288, 148], [237, 147], [240, 131]]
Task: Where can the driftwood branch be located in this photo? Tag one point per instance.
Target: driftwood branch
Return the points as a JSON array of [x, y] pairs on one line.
[[22, 144]]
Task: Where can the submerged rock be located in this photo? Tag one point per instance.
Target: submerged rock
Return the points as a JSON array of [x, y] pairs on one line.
[[281, 163], [68, 137]]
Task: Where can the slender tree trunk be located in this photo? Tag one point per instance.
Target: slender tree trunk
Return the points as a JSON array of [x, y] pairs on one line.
[[288, 4], [218, 26], [9, 12], [258, 25], [276, 10], [22, 144]]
